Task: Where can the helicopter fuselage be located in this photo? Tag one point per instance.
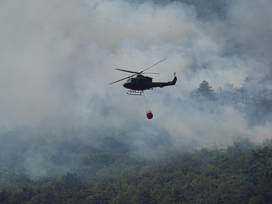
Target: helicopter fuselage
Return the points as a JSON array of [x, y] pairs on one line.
[[140, 83]]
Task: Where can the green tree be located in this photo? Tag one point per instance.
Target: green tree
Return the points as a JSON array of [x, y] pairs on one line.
[[4, 196], [70, 181], [143, 197], [206, 91]]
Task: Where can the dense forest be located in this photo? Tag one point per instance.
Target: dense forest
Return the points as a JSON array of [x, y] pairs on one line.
[[237, 174], [241, 173], [131, 160]]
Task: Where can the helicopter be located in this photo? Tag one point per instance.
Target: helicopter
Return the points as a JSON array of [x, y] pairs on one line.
[[138, 84]]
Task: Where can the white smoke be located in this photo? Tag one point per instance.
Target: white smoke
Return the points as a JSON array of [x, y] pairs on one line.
[[58, 57]]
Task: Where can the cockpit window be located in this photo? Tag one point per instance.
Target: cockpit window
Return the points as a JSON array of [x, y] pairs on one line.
[[129, 80]]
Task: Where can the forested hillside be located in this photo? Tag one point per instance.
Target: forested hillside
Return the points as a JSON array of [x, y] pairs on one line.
[[235, 175], [253, 99], [68, 137], [116, 173]]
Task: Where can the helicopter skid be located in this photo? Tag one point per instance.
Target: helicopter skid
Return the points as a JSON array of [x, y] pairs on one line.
[[135, 93]]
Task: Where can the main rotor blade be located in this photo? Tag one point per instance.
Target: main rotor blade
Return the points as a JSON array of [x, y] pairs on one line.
[[152, 65], [123, 79], [127, 71], [135, 73]]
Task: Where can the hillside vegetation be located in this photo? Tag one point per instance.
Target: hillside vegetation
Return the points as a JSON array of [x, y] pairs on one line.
[[234, 175], [108, 165]]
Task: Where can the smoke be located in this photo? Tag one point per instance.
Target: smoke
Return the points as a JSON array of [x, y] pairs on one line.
[[58, 57]]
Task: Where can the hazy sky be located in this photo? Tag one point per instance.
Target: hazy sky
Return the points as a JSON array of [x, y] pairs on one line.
[[57, 59]]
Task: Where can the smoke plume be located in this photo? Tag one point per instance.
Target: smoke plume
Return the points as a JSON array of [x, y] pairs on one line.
[[57, 59]]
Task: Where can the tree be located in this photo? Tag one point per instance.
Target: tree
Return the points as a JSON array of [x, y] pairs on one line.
[[143, 197], [4, 196], [205, 90]]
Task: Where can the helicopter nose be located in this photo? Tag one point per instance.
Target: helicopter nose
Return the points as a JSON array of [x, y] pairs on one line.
[[126, 85]]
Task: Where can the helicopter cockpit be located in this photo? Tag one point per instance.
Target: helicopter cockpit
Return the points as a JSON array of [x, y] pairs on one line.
[[131, 80]]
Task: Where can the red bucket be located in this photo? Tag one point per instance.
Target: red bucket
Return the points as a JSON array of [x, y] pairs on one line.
[[149, 114]]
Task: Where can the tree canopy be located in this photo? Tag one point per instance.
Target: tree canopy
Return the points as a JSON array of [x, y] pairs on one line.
[[205, 90], [234, 175]]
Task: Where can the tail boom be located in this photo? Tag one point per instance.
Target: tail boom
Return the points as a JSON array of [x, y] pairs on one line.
[[163, 84]]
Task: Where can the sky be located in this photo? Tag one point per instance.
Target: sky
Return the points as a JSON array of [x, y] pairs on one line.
[[57, 59]]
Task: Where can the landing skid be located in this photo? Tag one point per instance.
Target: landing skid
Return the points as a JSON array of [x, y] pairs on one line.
[[135, 93]]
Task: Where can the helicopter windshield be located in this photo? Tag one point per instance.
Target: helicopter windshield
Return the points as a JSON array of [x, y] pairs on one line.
[[129, 80]]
